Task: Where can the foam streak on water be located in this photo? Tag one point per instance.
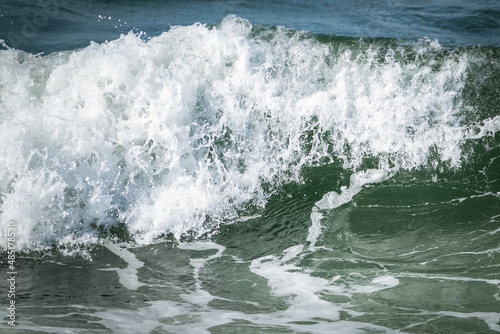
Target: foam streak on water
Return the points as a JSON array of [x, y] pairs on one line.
[[333, 199], [193, 127], [128, 275]]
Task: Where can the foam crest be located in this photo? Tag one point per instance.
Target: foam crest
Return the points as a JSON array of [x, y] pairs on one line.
[[332, 200], [191, 128]]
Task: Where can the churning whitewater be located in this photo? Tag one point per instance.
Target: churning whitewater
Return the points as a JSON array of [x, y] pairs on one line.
[[178, 133]]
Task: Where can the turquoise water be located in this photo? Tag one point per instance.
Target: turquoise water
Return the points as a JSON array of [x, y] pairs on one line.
[[333, 171]]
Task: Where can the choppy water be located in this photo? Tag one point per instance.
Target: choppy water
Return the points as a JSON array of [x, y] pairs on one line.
[[332, 168]]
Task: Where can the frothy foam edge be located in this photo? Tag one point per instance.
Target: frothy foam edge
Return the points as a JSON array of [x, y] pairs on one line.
[[174, 135]]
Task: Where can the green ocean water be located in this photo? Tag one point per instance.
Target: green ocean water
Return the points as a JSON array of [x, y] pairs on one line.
[[435, 233]]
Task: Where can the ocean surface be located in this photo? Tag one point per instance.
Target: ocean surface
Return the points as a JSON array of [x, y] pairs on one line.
[[249, 166]]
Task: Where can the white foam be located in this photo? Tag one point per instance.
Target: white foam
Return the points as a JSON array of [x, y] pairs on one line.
[[203, 320], [180, 133], [200, 296], [127, 276], [306, 312], [487, 127], [458, 279], [303, 290], [332, 200]]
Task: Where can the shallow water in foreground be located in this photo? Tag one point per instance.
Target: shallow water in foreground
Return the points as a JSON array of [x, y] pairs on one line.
[[405, 255]]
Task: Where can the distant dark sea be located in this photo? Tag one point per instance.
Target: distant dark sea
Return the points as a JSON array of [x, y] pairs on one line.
[[249, 167]]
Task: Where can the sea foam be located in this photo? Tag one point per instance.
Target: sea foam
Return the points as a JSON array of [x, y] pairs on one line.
[[181, 132]]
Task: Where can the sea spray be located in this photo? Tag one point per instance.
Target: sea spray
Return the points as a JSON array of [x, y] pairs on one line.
[[187, 130]]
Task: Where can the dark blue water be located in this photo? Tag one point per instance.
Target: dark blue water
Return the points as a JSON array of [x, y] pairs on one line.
[[47, 26]]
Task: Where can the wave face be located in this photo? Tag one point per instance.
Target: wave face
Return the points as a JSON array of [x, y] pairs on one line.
[[179, 133]]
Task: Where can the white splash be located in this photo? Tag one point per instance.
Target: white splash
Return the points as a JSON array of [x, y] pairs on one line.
[[187, 130]]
